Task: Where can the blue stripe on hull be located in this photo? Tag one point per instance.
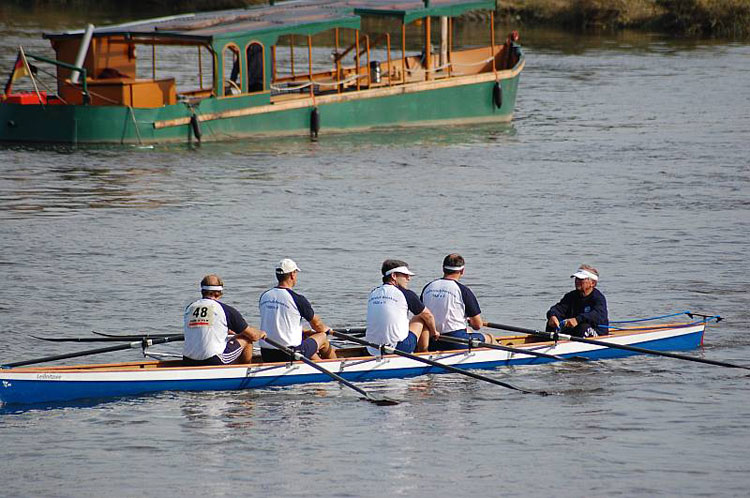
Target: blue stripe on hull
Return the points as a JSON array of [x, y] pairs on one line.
[[45, 391]]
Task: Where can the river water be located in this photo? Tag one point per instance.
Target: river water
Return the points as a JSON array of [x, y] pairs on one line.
[[628, 152]]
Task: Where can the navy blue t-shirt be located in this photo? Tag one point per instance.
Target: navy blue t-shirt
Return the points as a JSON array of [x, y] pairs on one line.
[[235, 322], [303, 305], [412, 300], [591, 309]]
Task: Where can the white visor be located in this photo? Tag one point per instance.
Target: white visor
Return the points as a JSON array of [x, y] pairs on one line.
[[453, 268], [585, 274], [399, 269], [212, 288]]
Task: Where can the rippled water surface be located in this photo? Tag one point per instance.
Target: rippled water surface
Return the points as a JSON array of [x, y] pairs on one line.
[[629, 153]]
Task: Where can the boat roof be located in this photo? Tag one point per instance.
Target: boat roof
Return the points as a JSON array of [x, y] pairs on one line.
[[304, 17]]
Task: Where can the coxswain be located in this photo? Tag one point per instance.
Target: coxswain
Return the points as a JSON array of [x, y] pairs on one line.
[[281, 313], [582, 312], [216, 333], [453, 304], [388, 309]]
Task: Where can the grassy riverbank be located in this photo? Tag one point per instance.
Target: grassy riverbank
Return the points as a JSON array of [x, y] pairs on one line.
[[725, 18], [721, 18]]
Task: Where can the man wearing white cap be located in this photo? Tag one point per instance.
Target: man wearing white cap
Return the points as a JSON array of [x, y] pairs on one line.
[[281, 314], [216, 333], [388, 310], [582, 312], [452, 304]]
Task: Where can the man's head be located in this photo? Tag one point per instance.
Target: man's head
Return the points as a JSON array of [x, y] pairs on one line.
[[212, 286], [286, 271], [396, 272], [586, 278], [453, 265]]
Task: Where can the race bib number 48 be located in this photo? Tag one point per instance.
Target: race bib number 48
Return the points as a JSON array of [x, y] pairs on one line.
[[201, 315]]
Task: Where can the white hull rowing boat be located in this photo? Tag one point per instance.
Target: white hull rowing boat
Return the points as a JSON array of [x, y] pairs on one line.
[[67, 383]]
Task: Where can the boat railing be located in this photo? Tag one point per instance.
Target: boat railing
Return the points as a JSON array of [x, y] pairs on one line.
[[86, 97]]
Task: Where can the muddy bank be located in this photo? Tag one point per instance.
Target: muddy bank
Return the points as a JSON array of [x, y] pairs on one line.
[[712, 18]]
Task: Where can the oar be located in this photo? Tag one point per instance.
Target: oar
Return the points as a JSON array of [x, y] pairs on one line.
[[132, 337], [371, 397], [121, 347], [108, 338], [450, 368], [477, 343], [636, 349]]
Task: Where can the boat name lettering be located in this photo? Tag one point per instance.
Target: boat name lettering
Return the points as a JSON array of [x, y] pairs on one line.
[[48, 376]]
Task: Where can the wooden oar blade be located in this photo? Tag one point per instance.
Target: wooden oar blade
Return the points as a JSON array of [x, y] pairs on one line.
[[579, 359], [380, 400]]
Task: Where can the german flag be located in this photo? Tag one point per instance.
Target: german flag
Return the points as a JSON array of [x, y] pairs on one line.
[[20, 69]]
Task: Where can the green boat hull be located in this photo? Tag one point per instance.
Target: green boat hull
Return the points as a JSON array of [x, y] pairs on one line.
[[449, 101]]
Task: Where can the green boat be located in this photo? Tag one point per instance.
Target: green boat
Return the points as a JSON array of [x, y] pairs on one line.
[[291, 68]]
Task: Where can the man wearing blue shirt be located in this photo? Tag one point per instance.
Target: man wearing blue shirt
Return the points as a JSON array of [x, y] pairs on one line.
[[582, 312]]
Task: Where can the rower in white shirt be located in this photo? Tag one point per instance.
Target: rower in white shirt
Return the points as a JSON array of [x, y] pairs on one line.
[[216, 333], [388, 309], [453, 304], [281, 313]]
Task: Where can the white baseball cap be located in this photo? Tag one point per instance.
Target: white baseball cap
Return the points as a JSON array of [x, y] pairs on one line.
[[286, 265]]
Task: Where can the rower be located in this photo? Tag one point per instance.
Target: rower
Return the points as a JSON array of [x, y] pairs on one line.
[[216, 333], [453, 304], [281, 314], [388, 310], [582, 312]]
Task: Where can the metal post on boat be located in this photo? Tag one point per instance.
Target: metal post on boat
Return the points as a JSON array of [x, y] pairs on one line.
[[81, 56], [356, 56], [492, 42], [443, 41], [369, 64], [403, 51], [338, 63], [450, 46], [273, 63], [427, 47], [309, 60], [388, 44], [200, 68], [291, 53]]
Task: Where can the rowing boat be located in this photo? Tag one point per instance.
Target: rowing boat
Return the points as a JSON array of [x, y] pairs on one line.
[[66, 383]]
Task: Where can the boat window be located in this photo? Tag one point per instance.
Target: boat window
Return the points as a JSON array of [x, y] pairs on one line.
[[232, 72], [255, 67]]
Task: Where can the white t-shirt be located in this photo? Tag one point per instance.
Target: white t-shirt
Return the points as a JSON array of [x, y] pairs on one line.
[[388, 310], [205, 326], [451, 303], [281, 313]]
